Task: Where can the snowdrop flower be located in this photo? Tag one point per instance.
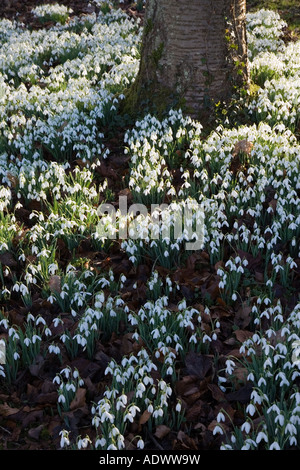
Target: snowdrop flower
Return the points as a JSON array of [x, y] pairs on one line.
[[64, 440], [140, 444], [158, 412], [178, 407], [150, 408], [61, 399], [220, 417], [218, 430], [246, 427], [261, 436], [230, 365], [112, 447], [100, 442], [251, 410], [54, 349], [274, 446], [27, 342]]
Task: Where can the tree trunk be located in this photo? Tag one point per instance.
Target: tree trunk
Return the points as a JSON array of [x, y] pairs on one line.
[[194, 54]]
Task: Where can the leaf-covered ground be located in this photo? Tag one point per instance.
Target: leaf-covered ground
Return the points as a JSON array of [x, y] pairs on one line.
[[122, 343]]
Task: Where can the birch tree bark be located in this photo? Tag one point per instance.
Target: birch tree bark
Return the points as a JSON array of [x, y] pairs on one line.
[[194, 54]]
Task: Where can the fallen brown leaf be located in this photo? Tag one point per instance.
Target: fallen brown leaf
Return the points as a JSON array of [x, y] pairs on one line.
[[243, 146], [243, 316], [161, 431], [79, 400], [183, 385], [242, 395], [242, 335], [186, 441], [13, 179], [216, 392], [35, 433], [198, 364], [144, 417], [193, 412], [6, 410], [55, 283], [241, 373]]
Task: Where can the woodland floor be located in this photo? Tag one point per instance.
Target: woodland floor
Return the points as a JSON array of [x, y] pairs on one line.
[[28, 410]]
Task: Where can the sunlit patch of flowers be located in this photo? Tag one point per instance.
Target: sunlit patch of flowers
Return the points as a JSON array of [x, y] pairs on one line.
[[277, 102], [56, 12], [157, 149], [226, 197], [49, 182], [59, 84], [8, 223], [264, 29], [275, 68]]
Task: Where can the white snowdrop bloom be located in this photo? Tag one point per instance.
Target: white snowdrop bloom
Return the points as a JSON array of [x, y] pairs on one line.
[[61, 399], [267, 363], [261, 436], [283, 380], [220, 417], [262, 381], [36, 338], [100, 442], [251, 410], [218, 430], [279, 419], [83, 443], [106, 416], [290, 429], [230, 365], [64, 440], [226, 447], [55, 349], [155, 333], [274, 446], [158, 412], [27, 342], [140, 444], [246, 427], [178, 407], [112, 447], [274, 408], [246, 446], [250, 377], [30, 317], [150, 408]]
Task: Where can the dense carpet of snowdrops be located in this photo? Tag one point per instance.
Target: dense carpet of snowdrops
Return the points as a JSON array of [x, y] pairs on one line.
[[59, 90]]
